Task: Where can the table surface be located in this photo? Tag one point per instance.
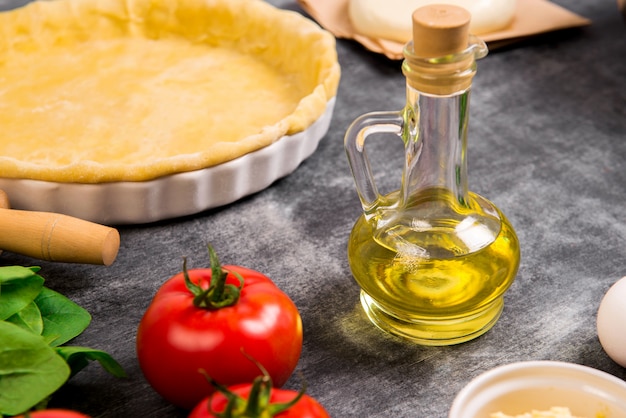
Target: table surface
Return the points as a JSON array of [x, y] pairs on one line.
[[547, 144]]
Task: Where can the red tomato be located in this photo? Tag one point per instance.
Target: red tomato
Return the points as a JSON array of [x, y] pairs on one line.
[[176, 339], [306, 407], [54, 413]]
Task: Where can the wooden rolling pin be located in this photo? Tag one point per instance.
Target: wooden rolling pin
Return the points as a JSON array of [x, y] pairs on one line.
[[55, 237]]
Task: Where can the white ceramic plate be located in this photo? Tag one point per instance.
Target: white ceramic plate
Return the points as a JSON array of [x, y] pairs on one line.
[[176, 195], [518, 388]]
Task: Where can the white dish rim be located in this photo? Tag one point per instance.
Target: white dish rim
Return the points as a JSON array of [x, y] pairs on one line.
[[540, 373], [176, 195]]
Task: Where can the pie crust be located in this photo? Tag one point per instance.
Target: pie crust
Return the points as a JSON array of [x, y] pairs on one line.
[[174, 195], [132, 90]]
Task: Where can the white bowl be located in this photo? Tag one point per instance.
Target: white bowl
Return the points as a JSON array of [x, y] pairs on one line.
[[519, 388]]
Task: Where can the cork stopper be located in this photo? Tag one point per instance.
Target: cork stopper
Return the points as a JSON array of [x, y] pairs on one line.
[[439, 30]]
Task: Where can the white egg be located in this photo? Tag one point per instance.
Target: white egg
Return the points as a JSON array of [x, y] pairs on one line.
[[611, 322]]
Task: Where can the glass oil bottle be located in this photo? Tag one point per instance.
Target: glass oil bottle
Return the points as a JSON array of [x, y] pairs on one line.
[[433, 259]]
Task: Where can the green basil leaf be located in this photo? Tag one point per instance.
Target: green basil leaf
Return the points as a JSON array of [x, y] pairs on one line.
[[28, 318], [18, 287], [78, 358], [17, 272], [30, 370], [62, 318]]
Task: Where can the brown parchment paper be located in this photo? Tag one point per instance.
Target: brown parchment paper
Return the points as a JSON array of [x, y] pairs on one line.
[[533, 17]]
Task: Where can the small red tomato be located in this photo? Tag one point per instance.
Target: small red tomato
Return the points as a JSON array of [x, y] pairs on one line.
[[206, 319], [258, 400], [54, 413]]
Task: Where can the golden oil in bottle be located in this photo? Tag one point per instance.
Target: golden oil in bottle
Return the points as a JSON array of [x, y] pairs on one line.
[[433, 259], [436, 284]]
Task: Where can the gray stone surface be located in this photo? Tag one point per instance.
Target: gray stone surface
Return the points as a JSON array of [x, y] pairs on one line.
[[547, 144]]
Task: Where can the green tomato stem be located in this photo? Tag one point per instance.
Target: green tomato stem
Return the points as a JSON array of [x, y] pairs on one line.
[[258, 403], [219, 294]]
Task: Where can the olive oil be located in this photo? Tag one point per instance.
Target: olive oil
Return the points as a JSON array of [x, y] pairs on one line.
[[444, 285], [433, 259]]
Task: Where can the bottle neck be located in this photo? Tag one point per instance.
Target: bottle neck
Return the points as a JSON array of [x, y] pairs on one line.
[[435, 147], [446, 75], [436, 120]]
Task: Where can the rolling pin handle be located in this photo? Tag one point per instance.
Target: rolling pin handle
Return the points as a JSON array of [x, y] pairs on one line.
[[56, 237]]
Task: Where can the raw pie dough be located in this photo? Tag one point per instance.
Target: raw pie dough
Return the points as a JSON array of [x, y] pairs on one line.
[[97, 91], [391, 19]]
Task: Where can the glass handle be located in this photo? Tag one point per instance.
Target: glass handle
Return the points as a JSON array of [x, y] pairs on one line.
[[354, 143]]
